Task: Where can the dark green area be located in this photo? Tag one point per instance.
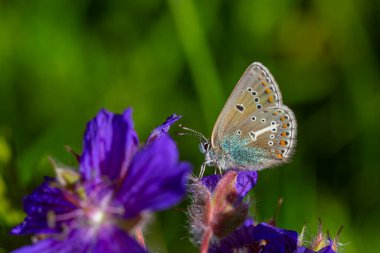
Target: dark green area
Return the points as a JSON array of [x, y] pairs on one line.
[[61, 61]]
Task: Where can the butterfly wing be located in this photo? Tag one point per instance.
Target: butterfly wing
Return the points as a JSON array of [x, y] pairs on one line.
[[254, 128]]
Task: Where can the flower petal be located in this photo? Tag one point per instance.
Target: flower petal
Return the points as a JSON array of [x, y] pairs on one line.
[[107, 239], [211, 181], [248, 222], [164, 128], [109, 145], [279, 240], [156, 179], [245, 181], [303, 250], [262, 238], [327, 249], [38, 204]]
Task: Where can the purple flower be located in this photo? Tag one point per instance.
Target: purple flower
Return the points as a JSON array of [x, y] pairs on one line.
[[320, 244], [118, 184], [265, 238], [217, 207], [261, 238]]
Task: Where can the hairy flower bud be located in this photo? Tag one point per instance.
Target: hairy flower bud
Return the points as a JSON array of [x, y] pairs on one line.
[[217, 207]]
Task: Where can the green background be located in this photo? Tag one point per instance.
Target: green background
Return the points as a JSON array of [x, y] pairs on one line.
[[61, 61]]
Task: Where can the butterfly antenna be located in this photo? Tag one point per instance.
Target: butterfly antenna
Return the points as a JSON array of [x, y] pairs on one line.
[[192, 132]]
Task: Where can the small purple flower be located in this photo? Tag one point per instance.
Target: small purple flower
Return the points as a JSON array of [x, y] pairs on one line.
[[320, 244], [217, 207], [118, 184]]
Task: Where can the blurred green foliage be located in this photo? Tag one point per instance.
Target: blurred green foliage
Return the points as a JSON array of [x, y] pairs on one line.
[[61, 61]]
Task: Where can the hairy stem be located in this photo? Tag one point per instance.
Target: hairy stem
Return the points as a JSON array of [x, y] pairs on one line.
[[206, 240], [140, 237]]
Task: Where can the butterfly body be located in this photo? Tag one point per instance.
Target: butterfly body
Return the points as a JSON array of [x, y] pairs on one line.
[[254, 130]]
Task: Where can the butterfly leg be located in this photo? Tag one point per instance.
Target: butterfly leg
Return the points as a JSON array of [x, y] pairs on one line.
[[220, 170], [203, 168], [220, 167]]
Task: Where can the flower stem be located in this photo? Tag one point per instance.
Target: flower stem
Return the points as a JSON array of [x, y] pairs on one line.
[[206, 240], [140, 237]]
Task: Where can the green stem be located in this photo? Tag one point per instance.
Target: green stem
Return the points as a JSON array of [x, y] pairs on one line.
[[202, 67]]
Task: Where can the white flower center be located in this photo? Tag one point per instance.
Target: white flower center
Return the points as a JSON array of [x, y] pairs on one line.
[[97, 217]]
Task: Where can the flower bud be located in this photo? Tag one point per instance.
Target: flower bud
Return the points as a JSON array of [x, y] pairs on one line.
[[217, 207]]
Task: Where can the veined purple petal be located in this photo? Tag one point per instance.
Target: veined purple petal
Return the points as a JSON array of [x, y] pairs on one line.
[[34, 225], [245, 181], [110, 142], [112, 239], [280, 240], [211, 181], [164, 128], [262, 238], [155, 180], [38, 204], [85, 240]]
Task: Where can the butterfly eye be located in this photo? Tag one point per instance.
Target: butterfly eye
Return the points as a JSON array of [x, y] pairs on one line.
[[204, 147]]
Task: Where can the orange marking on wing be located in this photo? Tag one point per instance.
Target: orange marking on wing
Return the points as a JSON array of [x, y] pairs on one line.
[[263, 83], [267, 91], [284, 126], [282, 143], [283, 134], [282, 118], [274, 114], [270, 99], [279, 156]]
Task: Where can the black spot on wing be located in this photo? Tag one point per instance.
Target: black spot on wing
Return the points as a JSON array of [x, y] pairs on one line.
[[240, 108]]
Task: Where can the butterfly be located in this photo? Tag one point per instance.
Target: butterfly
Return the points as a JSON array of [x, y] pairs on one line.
[[255, 130]]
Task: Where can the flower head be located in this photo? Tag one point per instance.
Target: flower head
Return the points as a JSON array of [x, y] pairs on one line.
[[321, 243], [262, 238], [118, 184], [218, 207], [265, 238]]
